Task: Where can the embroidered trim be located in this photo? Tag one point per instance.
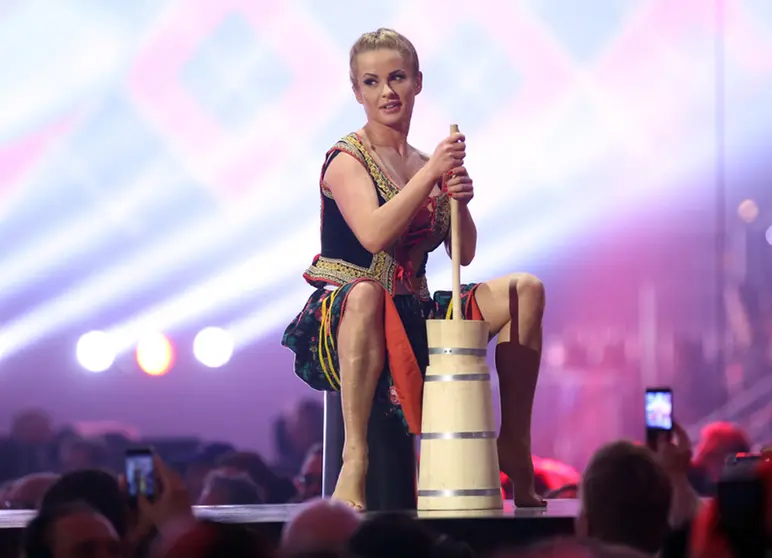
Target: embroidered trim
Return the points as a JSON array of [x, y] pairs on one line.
[[386, 186], [337, 272], [353, 150], [341, 146]]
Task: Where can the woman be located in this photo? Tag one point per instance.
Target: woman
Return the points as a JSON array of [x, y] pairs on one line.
[[384, 208]]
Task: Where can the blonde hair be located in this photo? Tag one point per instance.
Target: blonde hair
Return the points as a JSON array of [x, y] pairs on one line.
[[382, 38]]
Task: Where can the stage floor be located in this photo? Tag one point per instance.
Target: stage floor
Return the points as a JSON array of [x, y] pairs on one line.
[[484, 531], [557, 509]]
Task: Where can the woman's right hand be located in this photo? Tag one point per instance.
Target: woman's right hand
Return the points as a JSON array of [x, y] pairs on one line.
[[448, 155]]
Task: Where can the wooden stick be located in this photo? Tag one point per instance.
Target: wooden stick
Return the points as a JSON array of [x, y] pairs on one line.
[[455, 250]]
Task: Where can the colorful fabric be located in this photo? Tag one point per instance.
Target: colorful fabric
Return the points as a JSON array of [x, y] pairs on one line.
[[313, 334], [343, 259], [343, 262]]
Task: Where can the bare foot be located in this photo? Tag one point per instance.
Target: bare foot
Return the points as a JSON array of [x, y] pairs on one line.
[[517, 464], [350, 488], [529, 500]]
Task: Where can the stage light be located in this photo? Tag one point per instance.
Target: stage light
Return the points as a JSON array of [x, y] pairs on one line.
[[225, 287], [748, 210], [156, 185], [557, 150], [95, 351], [213, 347], [79, 235], [769, 235], [155, 354]]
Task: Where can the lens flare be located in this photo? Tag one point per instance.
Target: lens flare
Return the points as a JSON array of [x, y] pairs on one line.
[[213, 347], [95, 351], [155, 354]]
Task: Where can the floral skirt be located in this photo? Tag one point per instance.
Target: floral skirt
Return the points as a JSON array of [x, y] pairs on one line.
[[313, 334]]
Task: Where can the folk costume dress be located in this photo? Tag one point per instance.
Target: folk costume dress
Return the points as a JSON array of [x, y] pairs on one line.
[[343, 262]]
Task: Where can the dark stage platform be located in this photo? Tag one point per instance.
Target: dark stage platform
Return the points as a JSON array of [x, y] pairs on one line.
[[484, 531]]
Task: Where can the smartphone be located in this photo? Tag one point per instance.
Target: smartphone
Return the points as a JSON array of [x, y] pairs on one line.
[[659, 414], [140, 473]]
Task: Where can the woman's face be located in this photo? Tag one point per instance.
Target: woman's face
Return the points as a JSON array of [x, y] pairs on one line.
[[386, 86]]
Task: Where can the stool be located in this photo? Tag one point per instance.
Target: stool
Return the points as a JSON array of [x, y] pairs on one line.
[[391, 475]]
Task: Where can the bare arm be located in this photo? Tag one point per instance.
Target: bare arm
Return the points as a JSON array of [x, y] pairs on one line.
[[378, 227]]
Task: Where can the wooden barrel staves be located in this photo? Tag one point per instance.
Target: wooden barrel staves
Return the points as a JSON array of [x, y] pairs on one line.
[[459, 466]]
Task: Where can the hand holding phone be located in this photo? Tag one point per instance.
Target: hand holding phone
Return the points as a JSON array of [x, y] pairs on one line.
[[157, 491], [659, 414], [140, 473]]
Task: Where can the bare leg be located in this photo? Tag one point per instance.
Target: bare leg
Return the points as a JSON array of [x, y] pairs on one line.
[[517, 300], [361, 353]]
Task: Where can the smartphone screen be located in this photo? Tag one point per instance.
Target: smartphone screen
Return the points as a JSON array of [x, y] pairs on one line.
[[659, 409], [140, 474]]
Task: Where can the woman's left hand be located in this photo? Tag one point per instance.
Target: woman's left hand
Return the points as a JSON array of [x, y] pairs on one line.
[[459, 185]]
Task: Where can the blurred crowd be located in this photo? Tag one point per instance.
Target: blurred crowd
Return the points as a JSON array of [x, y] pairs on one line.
[[36, 453], [639, 500]]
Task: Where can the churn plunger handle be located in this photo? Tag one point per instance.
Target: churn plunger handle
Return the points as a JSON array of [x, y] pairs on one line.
[[455, 251]]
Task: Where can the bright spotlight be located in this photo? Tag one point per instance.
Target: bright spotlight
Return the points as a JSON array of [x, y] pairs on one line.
[[748, 210], [95, 351], [155, 354], [213, 347], [769, 235]]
